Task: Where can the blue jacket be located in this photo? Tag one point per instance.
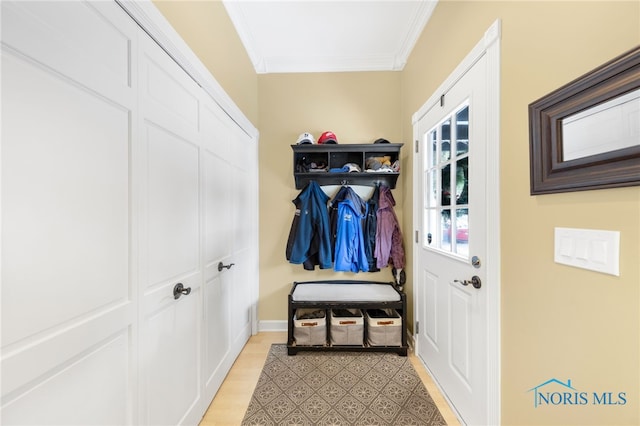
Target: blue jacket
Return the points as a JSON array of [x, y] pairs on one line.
[[345, 193], [350, 254], [309, 241]]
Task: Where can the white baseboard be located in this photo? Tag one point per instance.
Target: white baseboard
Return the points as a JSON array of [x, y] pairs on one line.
[[272, 325], [410, 342]]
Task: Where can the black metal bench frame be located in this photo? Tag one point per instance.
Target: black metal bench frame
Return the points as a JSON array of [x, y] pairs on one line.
[[400, 306]]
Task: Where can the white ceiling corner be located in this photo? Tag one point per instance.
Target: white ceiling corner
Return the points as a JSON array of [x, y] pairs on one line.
[[284, 36]]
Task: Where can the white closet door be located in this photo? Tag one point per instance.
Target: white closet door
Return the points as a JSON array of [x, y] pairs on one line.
[[228, 297], [244, 237], [69, 309], [168, 181], [218, 222], [121, 178]]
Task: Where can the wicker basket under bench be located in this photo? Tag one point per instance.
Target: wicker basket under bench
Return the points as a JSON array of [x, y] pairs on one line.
[[325, 299]]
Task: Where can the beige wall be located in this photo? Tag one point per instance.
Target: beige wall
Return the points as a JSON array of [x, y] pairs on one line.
[[206, 27], [557, 321], [358, 108]]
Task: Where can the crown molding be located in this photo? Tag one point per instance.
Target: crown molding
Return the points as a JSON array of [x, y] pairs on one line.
[[300, 61]]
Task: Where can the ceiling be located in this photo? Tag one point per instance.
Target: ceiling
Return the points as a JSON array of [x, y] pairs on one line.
[[291, 36]]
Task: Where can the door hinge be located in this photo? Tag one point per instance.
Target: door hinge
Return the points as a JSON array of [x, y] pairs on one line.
[[442, 100], [417, 146], [417, 327], [417, 237]]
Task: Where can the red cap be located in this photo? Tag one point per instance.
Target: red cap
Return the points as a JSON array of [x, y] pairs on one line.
[[328, 137]]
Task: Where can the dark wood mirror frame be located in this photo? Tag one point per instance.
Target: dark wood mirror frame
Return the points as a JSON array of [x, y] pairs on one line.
[[617, 168]]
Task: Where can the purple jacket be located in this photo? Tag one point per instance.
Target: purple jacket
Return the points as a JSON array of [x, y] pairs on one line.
[[389, 248]]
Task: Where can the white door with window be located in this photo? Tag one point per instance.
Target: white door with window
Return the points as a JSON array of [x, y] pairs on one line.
[[453, 205]]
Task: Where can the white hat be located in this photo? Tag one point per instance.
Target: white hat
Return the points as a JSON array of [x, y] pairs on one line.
[[352, 167], [305, 138]]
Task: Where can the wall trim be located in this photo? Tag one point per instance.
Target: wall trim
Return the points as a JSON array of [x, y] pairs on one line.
[[420, 21], [272, 325], [488, 46], [492, 50]]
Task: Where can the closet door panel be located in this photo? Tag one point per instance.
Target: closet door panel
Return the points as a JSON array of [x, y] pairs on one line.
[[169, 96], [244, 197], [173, 217], [217, 359], [246, 190], [218, 183], [218, 216], [219, 232], [172, 345], [170, 240], [69, 308], [241, 297], [227, 163], [88, 42], [91, 388], [65, 201]]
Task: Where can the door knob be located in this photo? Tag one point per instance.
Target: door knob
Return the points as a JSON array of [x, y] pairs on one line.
[[222, 266], [475, 281], [179, 290]]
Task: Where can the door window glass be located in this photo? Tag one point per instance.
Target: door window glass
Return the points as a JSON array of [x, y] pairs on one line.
[[445, 140], [462, 131], [433, 145], [447, 191]]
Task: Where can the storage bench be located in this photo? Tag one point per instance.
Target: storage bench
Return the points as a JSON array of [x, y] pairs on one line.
[[354, 296]]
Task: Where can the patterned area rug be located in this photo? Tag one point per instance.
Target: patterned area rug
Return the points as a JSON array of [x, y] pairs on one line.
[[340, 388]]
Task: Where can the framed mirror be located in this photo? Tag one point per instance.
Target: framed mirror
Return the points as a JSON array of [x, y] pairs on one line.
[[586, 134]]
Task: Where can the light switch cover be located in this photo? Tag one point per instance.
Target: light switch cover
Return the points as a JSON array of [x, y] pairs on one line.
[[596, 250]]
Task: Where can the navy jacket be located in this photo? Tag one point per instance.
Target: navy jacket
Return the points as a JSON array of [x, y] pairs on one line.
[[309, 240], [369, 228]]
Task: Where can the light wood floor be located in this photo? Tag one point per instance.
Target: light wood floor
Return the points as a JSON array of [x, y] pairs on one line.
[[232, 400]]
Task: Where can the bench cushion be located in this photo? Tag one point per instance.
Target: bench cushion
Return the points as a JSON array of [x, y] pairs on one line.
[[325, 292]]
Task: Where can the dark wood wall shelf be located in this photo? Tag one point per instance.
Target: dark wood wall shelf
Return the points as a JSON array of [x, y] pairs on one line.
[[336, 156]]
